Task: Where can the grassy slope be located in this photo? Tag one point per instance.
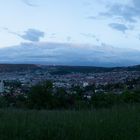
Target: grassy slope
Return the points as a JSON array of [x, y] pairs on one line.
[[112, 124]]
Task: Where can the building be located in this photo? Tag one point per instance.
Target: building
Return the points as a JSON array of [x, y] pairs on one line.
[[1, 86], [85, 84]]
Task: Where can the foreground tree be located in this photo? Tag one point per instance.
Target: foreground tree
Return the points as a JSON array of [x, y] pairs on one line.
[[40, 96]]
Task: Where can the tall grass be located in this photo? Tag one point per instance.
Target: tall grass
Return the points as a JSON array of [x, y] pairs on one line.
[[118, 123]]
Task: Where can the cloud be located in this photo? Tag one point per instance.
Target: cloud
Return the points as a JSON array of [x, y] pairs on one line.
[[136, 4], [138, 37], [92, 17], [9, 31], [68, 38], [52, 35], [29, 3], [128, 11], [32, 35], [92, 36], [88, 35], [119, 27], [86, 3]]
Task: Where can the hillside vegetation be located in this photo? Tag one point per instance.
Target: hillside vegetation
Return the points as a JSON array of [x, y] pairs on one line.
[[17, 67]]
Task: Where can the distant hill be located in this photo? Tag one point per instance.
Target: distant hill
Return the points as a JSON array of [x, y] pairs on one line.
[[137, 68], [87, 69], [17, 67], [64, 69]]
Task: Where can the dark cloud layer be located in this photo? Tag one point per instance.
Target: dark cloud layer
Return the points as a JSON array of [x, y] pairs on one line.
[[69, 54]]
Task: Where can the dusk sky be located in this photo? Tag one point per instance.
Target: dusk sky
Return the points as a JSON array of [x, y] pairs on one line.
[[70, 32]]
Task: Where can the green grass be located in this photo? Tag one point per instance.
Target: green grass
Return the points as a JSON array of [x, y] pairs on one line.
[[118, 123]]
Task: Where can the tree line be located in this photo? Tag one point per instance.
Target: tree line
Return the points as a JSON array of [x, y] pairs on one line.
[[45, 96]]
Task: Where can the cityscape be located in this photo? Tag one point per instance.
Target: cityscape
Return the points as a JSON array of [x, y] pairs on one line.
[[99, 80]]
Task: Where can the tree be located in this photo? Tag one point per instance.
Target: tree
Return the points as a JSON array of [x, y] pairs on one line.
[[40, 96]]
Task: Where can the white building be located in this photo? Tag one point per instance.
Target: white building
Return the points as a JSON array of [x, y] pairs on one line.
[[85, 84]]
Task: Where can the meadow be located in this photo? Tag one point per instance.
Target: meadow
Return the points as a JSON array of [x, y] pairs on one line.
[[116, 123]]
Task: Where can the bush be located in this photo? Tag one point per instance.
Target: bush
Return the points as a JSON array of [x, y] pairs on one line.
[[3, 102], [105, 100], [131, 97]]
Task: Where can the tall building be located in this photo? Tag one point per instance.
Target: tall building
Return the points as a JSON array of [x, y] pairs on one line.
[[1, 86]]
